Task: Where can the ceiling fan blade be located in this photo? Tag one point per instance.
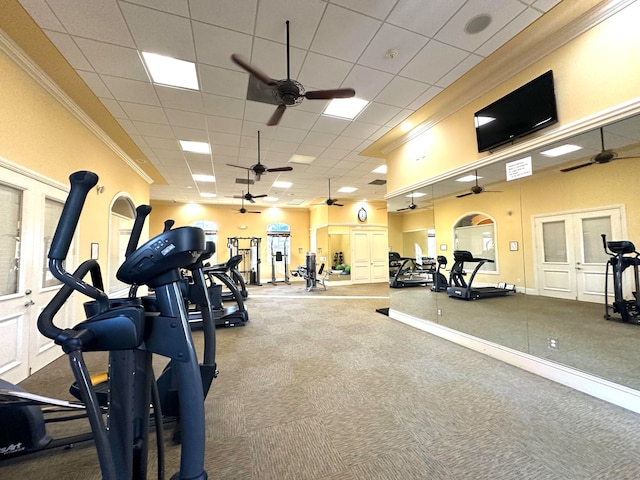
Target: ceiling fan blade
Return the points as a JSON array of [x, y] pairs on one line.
[[575, 167], [241, 62], [277, 115], [464, 194], [280, 169], [337, 204], [251, 200], [237, 166], [260, 196], [402, 209], [329, 94], [249, 211]]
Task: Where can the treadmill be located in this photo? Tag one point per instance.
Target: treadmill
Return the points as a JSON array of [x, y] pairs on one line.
[[459, 288], [411, 273]]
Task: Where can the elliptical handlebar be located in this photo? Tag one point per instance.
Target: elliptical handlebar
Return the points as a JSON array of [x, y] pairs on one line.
[[142, 212], [81, 182]]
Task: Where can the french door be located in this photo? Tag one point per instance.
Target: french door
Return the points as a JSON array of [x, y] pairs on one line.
[[570, 258], [370, 257], [30, 213]]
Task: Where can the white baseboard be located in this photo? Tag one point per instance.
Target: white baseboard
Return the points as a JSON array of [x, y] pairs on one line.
[[611, 392]]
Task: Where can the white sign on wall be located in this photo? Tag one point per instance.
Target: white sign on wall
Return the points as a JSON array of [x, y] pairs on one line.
[[518, 168]]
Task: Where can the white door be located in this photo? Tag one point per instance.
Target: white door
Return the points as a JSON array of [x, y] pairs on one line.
[[30, 213], [570, 257], [370, 257]]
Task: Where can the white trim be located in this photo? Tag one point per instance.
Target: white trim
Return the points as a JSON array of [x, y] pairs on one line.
[[611, 392], [15, 53]]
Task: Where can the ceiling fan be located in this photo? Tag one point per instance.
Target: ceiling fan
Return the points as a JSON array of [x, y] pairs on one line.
[[332, 201], [259, 169], [476, 189], [248, 196], [605, 156], [244, 210], [289, 92], [412, 206]]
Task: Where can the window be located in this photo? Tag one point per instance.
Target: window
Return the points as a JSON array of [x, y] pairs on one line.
[[210, 235], [476, 233], [121, 222]]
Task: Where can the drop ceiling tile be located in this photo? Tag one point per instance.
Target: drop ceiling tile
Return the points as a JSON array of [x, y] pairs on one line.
[[218, 138], [333, 154], [258, 112], [161, 143], [42, 14], [360, 130], [226, 150], [95, 84], [322, 72], [432, 62], [271, 58], [331, 125], [299, 119], [97, 20], [343, 33], [320, 139], [346, 143], [153, 129], [192, 134], [424, 98], [237, 15], [309, 150], [223, 82], [400, 117], [214, 45], [509, 31], [69, 49], [403, 43], [456, 72], [160, 32], [378, 9], [303, 15], [401, 91], [178, 7], [181, 118], [113, 60], [223, 106], [126, 90], [378, 113], [146, 113], [180, 99], [370, 82], [501, 14], [224, 124], [439, 13]]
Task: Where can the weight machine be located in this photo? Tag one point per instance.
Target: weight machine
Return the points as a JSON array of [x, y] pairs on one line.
[[279, 255], [308, 272], [249, 267]]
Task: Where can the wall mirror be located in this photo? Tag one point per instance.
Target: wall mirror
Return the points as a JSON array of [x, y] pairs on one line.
[[548, 246]]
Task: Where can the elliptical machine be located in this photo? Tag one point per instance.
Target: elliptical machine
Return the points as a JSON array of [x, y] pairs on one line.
[[131, 335], [621, 258]]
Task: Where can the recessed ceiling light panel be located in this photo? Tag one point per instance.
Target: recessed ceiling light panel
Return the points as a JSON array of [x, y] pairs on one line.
[[561, 150], [204, 178], [171, 71], [195, 147], [345, 107], [347, 190]]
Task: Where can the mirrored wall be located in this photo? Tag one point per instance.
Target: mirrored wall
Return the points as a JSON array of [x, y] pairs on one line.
[[537, 242]]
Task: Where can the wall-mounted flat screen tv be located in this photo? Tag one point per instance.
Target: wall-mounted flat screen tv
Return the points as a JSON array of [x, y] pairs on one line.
[[521, 112]]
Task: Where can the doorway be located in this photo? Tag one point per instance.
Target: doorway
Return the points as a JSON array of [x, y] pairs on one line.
[[570, 259], [370, 256]]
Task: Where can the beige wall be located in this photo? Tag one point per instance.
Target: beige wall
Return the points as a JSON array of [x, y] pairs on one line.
[[41, 135]]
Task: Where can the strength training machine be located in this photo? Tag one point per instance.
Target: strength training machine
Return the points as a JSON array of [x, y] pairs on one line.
[[309, 273]]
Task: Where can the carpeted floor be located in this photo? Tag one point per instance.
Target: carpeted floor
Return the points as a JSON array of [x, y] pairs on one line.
[[319, 386]]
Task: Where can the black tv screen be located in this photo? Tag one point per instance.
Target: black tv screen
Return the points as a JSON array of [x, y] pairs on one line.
[[521, 112]]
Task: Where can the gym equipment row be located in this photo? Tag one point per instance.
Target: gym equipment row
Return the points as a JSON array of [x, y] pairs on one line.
[[132, 330]]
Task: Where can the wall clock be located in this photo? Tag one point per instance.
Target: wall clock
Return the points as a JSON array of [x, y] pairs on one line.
[[362, 215]]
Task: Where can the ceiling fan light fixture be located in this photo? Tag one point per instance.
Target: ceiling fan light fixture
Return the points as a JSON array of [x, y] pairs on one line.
[[348, 108], [170, 71]]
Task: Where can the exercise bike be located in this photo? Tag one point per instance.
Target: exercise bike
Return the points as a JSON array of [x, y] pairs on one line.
[[131, 334], [623, 255]]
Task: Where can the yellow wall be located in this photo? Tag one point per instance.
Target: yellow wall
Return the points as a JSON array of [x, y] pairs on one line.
[[593, 72], [229, 220], [41, 135]]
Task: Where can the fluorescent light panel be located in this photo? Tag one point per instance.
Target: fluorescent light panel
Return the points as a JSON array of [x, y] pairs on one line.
[[282, 184], [345, 107], [347, 190], [302, 159], [204, 178], [468, 178], [208, 195], [382, 169], [416, 195], [171, 71], [195, 147], [561, 150]]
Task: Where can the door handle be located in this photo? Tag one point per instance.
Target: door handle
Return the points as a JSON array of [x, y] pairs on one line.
[[29, 303]]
